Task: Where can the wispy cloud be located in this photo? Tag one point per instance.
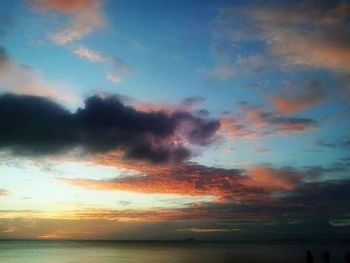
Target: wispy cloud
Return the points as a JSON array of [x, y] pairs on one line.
[[86, 17], [116, 67], [89, 54]]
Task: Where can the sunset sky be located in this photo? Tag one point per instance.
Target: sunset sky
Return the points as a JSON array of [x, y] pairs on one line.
[[162, 119]]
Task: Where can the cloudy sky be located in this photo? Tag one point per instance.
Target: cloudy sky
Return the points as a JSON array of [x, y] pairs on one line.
[[162, 119]]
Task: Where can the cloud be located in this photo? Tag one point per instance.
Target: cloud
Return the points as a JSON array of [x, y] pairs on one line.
[[89, 54], [242, 66], [251, 122], [296, 36], [308, 34], [117, 68], [272, 179], [64, 6], [86, 17], [232, 128], [104, 124], [192, 103], [189, 104], [22, 79], [296, 100], [3, 192], [186, 179], [259, 201], [292, 125], [255, 184], [336, 144], [322, 196], [273, 123]]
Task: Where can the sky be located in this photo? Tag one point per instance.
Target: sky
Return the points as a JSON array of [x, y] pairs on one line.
[[143, 120]]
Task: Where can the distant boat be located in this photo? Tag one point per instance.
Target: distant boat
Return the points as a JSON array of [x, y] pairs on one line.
[[189, 239]]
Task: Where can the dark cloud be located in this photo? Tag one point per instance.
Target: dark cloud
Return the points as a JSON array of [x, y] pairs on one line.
[[37, 125], [193, 100], [203, 113], [306, 212], [34, 124], [291, 125], [281, 124], [339, 144], [323, 143], [347, 143], [346, 159], [325, 196]]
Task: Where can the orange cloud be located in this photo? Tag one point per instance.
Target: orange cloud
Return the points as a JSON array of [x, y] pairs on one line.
[[271, 179], [295, 100], [226, 185], [186, 179]]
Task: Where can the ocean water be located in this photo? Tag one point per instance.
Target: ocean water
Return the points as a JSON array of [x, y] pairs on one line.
[[108, 252]]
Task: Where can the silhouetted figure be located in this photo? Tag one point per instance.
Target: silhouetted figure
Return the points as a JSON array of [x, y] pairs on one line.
[[347, 257], [309, 257], [326, 256]]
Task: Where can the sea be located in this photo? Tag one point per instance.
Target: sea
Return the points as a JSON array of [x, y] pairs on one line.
[[28, 251]]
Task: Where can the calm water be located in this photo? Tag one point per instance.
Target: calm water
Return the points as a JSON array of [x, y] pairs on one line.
[[105, 252]]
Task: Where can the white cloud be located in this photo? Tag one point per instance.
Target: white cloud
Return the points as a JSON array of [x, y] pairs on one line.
[[89, 54]]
